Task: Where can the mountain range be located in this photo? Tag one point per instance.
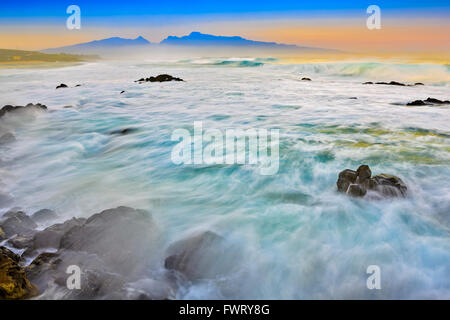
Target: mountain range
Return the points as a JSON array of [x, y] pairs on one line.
[[194, 39]]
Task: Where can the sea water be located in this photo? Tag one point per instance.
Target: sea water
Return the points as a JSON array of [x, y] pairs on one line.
[[295, 237]]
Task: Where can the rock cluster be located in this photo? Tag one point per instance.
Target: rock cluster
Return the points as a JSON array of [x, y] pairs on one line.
[[160, 78], [428, 101], [358, 183], [10, 108]]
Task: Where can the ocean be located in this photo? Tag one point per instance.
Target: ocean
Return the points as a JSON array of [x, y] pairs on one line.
[[291, 235]]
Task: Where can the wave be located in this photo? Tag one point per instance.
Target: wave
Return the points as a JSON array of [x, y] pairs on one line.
[[433, 73], [229, 62]]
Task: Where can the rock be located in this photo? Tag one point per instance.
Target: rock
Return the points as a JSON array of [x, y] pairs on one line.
[[363, 173], [428, 101], [62, 85], [416, 103], [13, 280], [190, 255], [122, 238], [7, 138], [9, 108], [368, 82], [51, 236], [392, 83], [2, 234], [18, 223], [346, 178], [418, 84], [43, 215], [160, 78], [124, 131], [353, 98], [78, 85], [123, 91], [358, 183], [20, 242], [306, 79]]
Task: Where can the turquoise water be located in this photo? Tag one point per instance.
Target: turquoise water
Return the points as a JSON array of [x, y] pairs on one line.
[[291, 235]]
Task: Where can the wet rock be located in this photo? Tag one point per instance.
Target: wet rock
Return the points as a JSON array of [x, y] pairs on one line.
[[18, 223], [62, 85], [306, 79], [51, 236], [78, 85], [30, 106], [353, 98], [44, 215], [14, 283], [160, 78], [124, 131], [20, 242], [190, 255], [7, 138], [418, 84], [428, 101], [416, 103], [122, 238], [368, 82], [392, 83], [123, 91], [359, 183]]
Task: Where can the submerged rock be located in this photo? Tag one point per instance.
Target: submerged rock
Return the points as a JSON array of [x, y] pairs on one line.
[[160, 78], [14, 283], [358, 183], [9, 108], [124, 131], [428, 101], [7, 138], [62, 85], [44, 215]]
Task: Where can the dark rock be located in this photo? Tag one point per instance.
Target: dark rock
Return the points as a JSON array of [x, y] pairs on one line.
[[346, 178], [418, 84], [124, 131], [363, 173], [78, 85], [51, 236], [123, 91], [120, 237], [353, 98], [44, 215], [189, 256], [18, 223], [359, 183], [428, 101], [7, 138], [392, 83], [20, 242], [416, 103], [62, 85], [9, 108], [13, 280], [368, 82], [306, 79], [436, 101], [160, 78]]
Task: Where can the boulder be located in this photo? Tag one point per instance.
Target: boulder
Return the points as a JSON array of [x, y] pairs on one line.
[[306, 79], [122, 238], [30, 106], [160, 78], [18, 223], [14, 283], [190, 256], [44, 215], [62, 85], [358, 183]]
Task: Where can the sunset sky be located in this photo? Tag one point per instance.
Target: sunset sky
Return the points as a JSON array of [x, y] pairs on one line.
[[406, 26]]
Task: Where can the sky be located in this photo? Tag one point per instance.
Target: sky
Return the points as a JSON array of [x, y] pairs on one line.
[[420, 26]]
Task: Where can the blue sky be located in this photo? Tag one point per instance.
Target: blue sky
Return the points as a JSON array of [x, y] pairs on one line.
[[103, 8]]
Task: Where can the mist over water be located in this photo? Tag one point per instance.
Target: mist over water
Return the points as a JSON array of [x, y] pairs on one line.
[[291, 235]]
